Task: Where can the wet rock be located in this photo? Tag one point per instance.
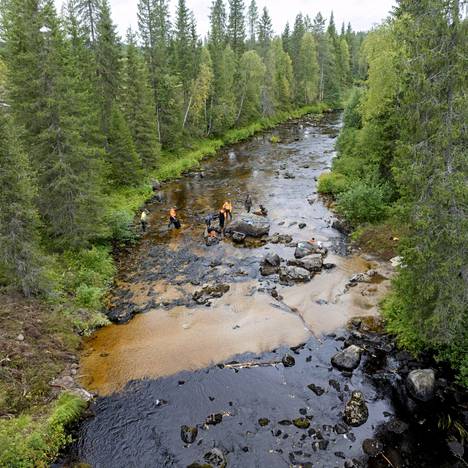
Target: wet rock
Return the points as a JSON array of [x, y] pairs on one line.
[[155, 185], [291, 274], [268, 270], [316, 389], [214, 419], [210, 241], [272, 259], [209, 292], [360, 278], [311, 262], [372, 447], [216, 458], [348, 359], [280, 238], [188, 434], [302, 225], [285, 422], [263, 422], [421, 384], [288, 360], [250, 226], [288, 175], [303, 249], [341, 226], [301, 423], [328, 266], [334, 384], [341, 428], [20, 337], [356, 412], [397, 426], [238, 237]]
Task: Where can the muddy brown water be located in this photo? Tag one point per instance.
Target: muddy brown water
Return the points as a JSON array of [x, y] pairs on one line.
[[158, 371]]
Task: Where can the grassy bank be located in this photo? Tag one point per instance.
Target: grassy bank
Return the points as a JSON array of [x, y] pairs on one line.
[[33, 424]]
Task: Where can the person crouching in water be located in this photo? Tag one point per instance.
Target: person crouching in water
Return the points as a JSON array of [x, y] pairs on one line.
[[173, 220], [144, 219], [227, 207]]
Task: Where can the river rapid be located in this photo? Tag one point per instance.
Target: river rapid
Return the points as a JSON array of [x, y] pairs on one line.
[[219, 368]]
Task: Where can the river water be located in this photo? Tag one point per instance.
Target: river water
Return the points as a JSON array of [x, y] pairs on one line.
[[159, 371]]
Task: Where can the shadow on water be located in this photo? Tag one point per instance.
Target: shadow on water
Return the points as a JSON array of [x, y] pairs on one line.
[[158, 372]]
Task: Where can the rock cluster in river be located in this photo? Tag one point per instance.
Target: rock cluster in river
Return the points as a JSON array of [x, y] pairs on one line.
[[249, 225]]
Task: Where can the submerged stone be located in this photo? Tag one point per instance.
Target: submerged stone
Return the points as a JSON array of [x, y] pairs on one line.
[[301, 423], [348, 359], [188, 434], [216, 458], [263, 422], [288, 360], [421, 384], [316, 389], [356, 412]]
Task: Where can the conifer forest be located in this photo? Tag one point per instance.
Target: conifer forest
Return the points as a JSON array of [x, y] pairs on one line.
[[233, 246]]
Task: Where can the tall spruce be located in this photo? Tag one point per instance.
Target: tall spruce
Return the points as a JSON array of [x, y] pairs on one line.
[[20, 257], [236, 26], [252, 20], [137, 104], [89, 12], [264, 32]]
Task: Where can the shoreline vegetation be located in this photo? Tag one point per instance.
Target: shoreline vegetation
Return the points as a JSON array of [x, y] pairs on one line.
[[36, 436]]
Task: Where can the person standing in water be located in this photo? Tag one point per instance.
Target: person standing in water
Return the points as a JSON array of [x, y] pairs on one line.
[[227, 207], [248, 203], [173, 220], [144, 220], [222, 219]]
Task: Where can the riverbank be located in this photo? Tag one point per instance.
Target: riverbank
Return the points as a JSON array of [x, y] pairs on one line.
[[40, 340]]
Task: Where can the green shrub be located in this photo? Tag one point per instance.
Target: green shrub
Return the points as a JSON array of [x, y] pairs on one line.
[[89, 297], [363, 203], [121, 227], [332, 183], [275, 139], [28, 443]]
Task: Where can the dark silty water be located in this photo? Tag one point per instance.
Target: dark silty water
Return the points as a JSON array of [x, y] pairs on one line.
[[249, 373]]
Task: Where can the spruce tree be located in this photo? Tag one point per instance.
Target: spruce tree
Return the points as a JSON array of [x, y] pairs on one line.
[[307, 78], [183, 54], [123, 160], [236, 26], [108, 63], [265, 32], [137, 104], [20, 257], [89, 12], [252, 19]]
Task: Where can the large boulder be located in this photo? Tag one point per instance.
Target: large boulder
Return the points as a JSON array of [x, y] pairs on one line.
[[348, 359], [270, 264], [421, 383], [278, 238], [306, 248], [356, 412], [313, 262], [292, 274], [250, 226], [238, 237]]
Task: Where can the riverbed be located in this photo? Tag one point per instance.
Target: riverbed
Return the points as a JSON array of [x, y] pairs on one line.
[[163, 368]]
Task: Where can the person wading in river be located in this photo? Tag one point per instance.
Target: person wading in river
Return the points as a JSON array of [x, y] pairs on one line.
[[248, 203], [227, 207], [173, 220], [222, 219], [144, 220]]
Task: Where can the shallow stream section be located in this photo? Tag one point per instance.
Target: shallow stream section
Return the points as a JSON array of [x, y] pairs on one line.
[[168, 367]]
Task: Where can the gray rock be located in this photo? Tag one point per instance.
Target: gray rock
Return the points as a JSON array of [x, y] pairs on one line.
[[20, 337], [356, 412], [277, 238], [272, 259], [238, 237], [305, 248], [268, 270], [360, 278], [294, 274], [313, 262], [348, 359], [209, 241], [421, 383], [216, 458], [288, 175], [302, 225], [250, 226], [188, 434]]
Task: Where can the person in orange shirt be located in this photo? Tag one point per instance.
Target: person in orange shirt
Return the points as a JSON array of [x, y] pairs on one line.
[[173, 220], [227, 207]]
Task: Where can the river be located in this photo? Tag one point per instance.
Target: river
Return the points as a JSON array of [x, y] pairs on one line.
[[160, 371]]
